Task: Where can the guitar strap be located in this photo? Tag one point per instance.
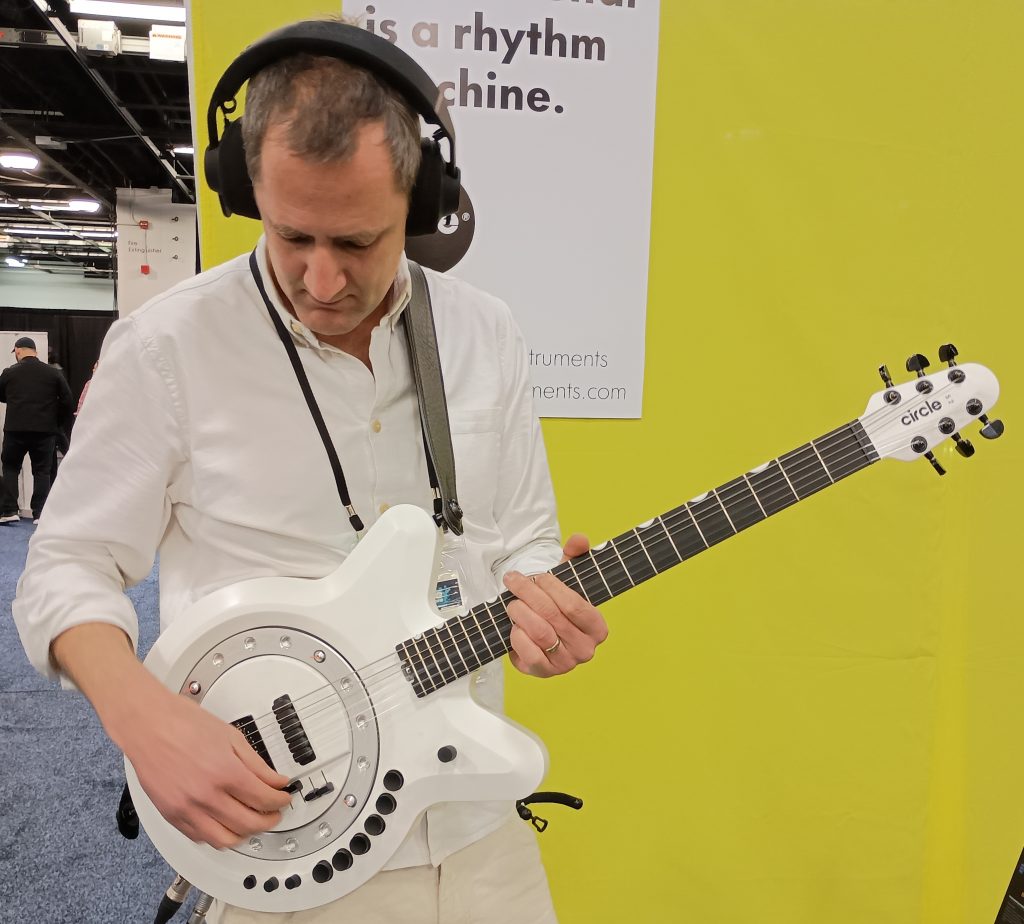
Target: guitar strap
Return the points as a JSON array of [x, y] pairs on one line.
[[425, 362]]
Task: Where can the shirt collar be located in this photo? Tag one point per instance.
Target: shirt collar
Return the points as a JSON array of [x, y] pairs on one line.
[[400, 294]]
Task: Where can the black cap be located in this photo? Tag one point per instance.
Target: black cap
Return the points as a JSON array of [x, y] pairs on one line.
[[26, 343]]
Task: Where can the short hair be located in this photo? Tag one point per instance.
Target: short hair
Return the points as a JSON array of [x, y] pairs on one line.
[[323, 101]]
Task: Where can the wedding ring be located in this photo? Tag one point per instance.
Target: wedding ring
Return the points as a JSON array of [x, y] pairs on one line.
[[555, 647]]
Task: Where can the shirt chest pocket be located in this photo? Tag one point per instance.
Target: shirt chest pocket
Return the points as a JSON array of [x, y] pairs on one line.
[[476, 442]]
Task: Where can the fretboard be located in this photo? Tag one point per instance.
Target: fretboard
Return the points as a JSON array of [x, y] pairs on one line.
[[465, 643]]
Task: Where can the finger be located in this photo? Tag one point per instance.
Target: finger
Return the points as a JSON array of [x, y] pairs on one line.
[[207, 830], [239, 818], [577, 544], [260, 787], [527, 657], [548, 636]]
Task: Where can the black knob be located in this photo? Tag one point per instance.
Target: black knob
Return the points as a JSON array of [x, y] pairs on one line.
[[271, 884], [323, 871], [948, 354], [447, 754], [993, 429], [917, 363], [964, 447], [249, 882], [293, 882], [935, 463]]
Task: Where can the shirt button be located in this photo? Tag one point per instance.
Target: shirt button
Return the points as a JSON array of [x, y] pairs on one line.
[[375, 426], [384, 508], [296, 328]]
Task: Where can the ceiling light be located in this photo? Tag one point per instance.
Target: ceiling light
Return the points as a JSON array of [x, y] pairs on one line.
[[14, 261], [84, 205], [117, 10], [9, 204], [183, 149], [108, 234], [19, 161]]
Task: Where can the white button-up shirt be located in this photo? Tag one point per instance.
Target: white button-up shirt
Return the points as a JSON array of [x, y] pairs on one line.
[[196, 444]]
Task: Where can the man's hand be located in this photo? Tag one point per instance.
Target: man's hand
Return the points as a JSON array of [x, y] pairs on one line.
[[554, 627], [202, 775], [200, 772]]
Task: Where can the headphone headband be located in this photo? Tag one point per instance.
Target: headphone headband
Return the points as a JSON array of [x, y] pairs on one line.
[[348, 43]]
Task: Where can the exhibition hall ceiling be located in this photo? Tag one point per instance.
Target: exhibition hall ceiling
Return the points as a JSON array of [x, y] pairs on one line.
[[85, 109]]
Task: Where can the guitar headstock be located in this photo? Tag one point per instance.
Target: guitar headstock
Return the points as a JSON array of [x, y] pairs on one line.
[[908, 421]]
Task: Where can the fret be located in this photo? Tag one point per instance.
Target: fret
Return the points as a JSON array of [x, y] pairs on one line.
[[661, 521], [772, 487], [714, 494], [476, 635], [448, 671], [754, 495], [612, 571], [490, 630], [594, 592], [426, 667], [462, 644], [805, 471], [635, 558], [831, 480], [465, 643], [742, 504], [710, 517], [847, 450], [658, 545]]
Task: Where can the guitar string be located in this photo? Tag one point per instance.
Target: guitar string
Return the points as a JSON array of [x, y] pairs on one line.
[[630, 551], [633, 546], [435, 650]]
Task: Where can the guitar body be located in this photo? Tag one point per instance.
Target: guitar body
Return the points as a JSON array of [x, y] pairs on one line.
[[307, 669]]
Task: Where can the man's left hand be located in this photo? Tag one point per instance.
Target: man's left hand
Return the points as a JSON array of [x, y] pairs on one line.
[[554, 627]]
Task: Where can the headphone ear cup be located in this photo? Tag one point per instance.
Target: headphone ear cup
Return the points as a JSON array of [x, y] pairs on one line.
[[228, 175], [425, 199]]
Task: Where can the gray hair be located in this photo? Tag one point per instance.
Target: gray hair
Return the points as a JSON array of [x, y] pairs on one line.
[[322, 101]]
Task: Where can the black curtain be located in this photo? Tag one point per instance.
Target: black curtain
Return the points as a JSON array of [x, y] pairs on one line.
[[74, 338]]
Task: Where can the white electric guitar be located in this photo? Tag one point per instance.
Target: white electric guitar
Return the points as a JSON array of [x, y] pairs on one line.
[[354, 688]]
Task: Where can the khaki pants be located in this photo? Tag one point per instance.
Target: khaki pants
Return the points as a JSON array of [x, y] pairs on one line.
[[497, 880]]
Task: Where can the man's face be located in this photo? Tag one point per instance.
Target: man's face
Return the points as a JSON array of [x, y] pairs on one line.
[[335, 233]]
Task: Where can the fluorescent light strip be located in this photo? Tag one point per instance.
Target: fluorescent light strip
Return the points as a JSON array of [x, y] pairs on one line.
[[115, 10], [19, 161]]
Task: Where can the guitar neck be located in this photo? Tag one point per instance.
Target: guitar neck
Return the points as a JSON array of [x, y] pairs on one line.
[[465, 643]]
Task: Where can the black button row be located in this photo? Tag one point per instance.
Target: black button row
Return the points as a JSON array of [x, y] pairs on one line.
[[359, 845]]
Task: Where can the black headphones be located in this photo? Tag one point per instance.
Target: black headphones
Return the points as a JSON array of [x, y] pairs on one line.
[[435, 193]]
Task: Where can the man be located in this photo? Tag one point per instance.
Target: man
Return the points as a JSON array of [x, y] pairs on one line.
[[38, 404], [221, 471]]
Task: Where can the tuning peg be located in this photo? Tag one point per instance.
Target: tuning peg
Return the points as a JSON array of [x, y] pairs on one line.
[[964, 447], [948, 354], [993, 429], [917, 363], [883, 371], [930, 456]]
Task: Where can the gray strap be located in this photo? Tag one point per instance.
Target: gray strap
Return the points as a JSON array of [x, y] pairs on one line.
[[426, 372]]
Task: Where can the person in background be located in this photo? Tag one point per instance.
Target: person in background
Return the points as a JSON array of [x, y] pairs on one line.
[[38, 405]]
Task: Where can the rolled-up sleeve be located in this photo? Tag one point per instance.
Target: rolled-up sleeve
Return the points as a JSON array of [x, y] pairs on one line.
[[110, 505]]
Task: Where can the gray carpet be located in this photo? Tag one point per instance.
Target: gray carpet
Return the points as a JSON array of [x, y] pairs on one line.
[[62, 860]]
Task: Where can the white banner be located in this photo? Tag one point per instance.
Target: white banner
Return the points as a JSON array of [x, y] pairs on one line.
[[156, 245], [553, 104]]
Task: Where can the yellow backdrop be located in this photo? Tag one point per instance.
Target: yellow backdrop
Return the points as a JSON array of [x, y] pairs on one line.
[[816, 722]]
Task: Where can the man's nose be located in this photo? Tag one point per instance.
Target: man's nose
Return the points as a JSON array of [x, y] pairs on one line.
[[325, 275]]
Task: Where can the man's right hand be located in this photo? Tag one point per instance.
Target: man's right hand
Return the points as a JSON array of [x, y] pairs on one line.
[[200, 772]]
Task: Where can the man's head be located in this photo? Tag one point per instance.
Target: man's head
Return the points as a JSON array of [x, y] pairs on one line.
[[333, 154], [24, 346]]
